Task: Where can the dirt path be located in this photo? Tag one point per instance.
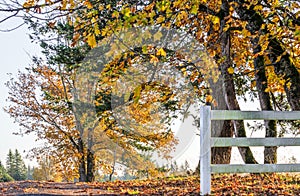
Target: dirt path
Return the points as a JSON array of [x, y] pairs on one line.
[[249, 184]]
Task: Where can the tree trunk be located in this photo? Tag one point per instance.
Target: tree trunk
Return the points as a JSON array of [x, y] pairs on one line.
[[285, 69], [222, 155], [220, 128], [114, 164], [270, 153], [82, 170], [90, 157], [255, 22], [229, 90], [90, 166], [82, 162]]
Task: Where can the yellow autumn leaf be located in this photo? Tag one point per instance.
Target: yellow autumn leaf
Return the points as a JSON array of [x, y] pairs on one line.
[[28, 4], [267, 89], [161, 52], [101, 7], [253, 84], [72, 4], [127, 12], [160, 19], [215, 20], [153, 59], [48, 2], [104, 32], [230, 70], [194, 10], [91, 40], [208, 99], [96, 29], [278, 59], [258, 7], [94, 20], [115, 14], [88, 4]]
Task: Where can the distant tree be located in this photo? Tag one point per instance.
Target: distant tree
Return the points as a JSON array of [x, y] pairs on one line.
[[4, 176], [15, 165], [185, 168], [10, 166], [38, 174], [30, 172], [21, 170], [51, 169], [45, 170], [127, 175]]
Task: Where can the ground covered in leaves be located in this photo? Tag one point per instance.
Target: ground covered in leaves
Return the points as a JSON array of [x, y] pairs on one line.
[[254, 184]]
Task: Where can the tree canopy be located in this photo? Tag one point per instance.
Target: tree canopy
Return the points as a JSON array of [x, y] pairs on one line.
[[251, 47]]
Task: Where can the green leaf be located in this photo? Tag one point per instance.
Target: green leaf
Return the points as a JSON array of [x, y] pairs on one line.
[[194, 10], [297, 32], [137, 94]]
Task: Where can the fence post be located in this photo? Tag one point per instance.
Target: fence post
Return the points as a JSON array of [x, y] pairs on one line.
[[205, 150]]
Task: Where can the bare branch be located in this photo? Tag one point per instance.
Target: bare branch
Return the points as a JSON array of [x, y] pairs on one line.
[[12, 29]]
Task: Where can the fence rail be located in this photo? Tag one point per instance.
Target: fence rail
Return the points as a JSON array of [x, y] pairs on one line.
[[206, 142], [254, 168], [226, 142], [253, 115]]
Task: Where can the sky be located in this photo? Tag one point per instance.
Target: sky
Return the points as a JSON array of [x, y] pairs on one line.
[[15, 48]]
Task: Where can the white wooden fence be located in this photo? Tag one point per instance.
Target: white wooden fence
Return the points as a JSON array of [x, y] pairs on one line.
[[206, 142]]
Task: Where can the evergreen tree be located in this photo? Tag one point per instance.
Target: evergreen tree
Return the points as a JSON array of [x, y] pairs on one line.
[[15, 165], [4, 176], [21, 170], [10, 163]]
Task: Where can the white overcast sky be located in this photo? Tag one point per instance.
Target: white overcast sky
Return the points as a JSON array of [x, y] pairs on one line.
[[14, 49]]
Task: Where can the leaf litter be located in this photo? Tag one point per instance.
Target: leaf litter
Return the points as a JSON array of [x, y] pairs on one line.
[[221, 184]]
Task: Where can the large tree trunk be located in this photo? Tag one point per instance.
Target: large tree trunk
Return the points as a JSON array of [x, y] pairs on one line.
[[229, 88], [90, 157], [222, 155], [82, 170], [254, 25], [90, 166], [220, 128], [80, 144], [270, 153], [224, 93]]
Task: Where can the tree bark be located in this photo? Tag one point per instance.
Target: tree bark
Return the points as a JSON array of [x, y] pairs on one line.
[[270, 153], [222, 155], [220, 128], [114, 164], [90, 173], [229, 88], [254, 25], [90, 166], [82, 170]]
